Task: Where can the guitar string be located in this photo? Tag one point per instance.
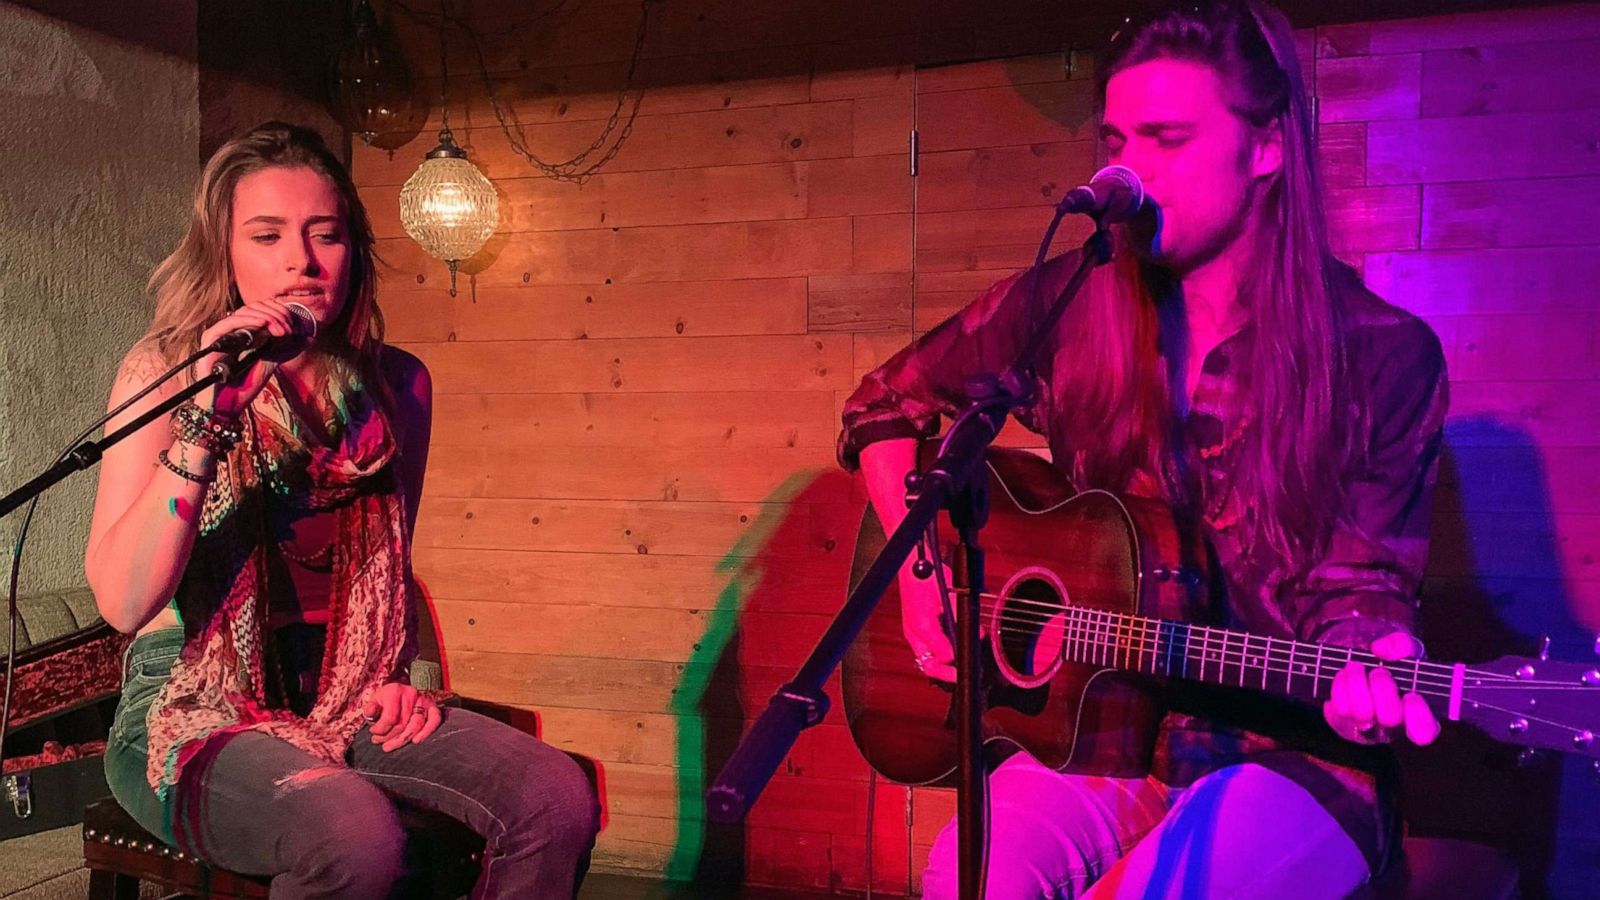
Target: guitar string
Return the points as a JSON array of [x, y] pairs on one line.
[[1149, 624], [1531, 718], [1088, 641], [1152, 629], [1144, 631]]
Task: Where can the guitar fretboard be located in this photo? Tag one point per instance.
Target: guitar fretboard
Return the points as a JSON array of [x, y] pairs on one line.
[[1172, 649]]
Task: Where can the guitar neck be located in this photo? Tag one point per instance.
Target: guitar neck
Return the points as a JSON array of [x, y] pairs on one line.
[[1286, 668]]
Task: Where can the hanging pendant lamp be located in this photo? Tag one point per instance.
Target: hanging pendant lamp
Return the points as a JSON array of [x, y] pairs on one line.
[[448, 206]]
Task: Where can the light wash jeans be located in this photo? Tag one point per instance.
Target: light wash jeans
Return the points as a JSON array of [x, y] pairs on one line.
[[1240, 832], [255, 804]]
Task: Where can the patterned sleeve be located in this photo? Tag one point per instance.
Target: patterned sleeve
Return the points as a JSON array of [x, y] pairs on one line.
[[1366, 584], [906, 396]]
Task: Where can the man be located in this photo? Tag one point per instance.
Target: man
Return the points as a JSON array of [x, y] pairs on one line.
[[1226, 363]]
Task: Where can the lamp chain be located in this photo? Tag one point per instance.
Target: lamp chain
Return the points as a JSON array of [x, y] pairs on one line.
[[580, 167]]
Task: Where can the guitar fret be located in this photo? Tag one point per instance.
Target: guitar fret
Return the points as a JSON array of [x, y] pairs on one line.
[[1085, 635], [1068, 639], [1099, 639], [1111, 639], [1120, 636], [1102, 639], [1155, 646], [1125, 642], [1117, 645], [1145, 649], [1266, 664], [1080, 639], [1288, 679], [1316, 678], [1092, 637]]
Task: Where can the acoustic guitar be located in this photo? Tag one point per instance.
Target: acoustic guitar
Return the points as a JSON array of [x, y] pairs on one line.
[[1096, 599]]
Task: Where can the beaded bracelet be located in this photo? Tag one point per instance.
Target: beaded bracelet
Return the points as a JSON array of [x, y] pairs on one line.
[[181, 471], [206, 429]]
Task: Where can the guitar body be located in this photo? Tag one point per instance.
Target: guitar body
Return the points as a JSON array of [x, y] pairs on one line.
[[1047, 546]]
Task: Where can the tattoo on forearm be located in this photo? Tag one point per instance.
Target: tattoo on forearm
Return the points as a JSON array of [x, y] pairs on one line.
[[181, 509]]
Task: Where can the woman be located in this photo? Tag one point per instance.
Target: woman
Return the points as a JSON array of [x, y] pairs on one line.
[[266, 724], [1227, 364]]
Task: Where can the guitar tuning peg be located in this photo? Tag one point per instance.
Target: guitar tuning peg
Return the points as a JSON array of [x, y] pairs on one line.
[[1597, 645], [1544, 646]]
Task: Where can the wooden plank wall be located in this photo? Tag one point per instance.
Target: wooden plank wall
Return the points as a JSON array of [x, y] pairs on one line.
[[1462, 154], [633, 526]]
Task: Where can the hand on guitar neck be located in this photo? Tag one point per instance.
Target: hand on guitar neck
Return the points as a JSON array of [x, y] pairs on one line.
[[1366, 705]]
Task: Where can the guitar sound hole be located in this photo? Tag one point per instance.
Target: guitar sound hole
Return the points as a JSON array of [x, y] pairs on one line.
[[1030, 626]]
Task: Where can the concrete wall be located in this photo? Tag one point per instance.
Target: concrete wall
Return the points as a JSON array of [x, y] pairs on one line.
[[97, 162]]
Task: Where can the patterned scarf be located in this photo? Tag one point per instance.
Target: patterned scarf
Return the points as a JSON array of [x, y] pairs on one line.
[[218, 685]]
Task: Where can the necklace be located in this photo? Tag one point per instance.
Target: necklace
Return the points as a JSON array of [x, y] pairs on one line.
[[323, 556], [1229, 440]]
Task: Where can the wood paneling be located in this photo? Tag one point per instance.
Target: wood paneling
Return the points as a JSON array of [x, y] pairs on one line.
[[634, 527]]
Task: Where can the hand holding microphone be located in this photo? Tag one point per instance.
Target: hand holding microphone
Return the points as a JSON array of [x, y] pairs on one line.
[[249, 344]]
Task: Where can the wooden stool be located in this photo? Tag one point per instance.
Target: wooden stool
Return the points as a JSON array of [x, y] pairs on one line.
[[120, 855]]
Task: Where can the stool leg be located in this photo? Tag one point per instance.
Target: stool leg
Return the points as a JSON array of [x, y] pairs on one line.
[[112, 886]]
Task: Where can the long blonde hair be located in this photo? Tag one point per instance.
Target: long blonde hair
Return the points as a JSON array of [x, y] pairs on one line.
[[1292, 457], [194, 287]]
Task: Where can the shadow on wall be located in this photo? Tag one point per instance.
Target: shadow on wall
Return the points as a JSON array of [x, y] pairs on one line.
[[786, 579], [1494, 585]]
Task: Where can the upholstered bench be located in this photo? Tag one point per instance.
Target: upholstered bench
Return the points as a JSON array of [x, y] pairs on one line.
[[62, 698]]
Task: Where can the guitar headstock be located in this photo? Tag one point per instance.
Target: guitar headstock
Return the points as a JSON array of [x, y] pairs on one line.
[[1534, 702]]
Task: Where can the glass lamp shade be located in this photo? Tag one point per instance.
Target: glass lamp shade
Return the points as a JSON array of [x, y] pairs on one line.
[[369, 86], [448, 206]]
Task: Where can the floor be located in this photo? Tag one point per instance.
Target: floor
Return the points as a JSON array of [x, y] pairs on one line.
[[616, 887], [49, 866]]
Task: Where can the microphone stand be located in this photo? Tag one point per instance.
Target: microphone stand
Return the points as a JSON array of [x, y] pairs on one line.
[[88, 453], [947, 484], [81, 455]]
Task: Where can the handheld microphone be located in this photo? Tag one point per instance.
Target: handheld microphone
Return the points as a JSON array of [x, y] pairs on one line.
[[240, 340], [1113, 195]]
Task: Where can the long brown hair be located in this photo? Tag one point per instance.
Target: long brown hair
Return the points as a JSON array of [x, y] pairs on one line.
[[1289, 462], [194, 286]]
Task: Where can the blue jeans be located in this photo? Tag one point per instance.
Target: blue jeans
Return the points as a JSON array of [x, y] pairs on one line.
[[1240, 832], [255, 804]]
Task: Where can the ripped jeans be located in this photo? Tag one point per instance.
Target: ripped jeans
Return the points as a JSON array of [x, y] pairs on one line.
[[255, 804]]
